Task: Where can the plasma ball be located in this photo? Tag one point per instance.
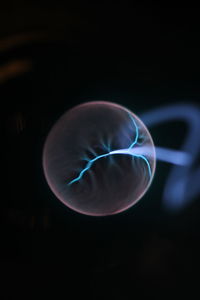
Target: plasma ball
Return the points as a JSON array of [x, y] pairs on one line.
[[99, 158]]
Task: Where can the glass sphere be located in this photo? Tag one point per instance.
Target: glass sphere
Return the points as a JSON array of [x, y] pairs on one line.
[[99, 158]]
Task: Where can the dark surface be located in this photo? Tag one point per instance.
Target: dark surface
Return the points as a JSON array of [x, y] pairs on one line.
[[138, 56]]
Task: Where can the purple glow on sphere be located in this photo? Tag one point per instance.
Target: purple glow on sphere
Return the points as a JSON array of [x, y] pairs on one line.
[[84, 165]]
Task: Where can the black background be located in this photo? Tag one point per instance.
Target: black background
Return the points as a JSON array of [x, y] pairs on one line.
[[137, 55]]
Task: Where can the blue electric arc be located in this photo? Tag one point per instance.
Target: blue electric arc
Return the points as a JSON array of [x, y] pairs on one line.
[[127, 151]]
